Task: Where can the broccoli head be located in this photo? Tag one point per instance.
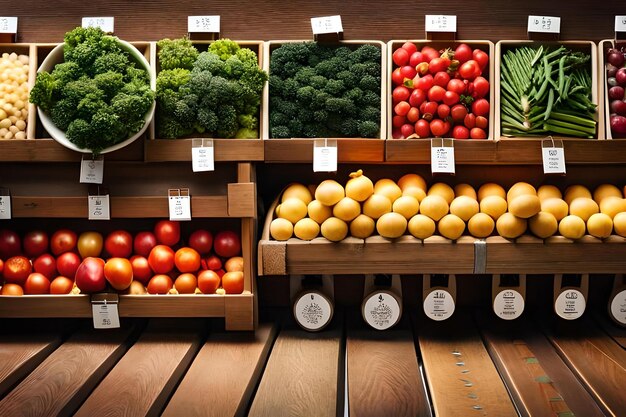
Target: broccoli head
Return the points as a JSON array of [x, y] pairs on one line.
[[369, 129], [224, 48], [172, 79], [116, 62], [177, 53], [245, 133], [110, 83], [209, 62], [43, 91], [208, 119], [281, 132], [227, 122], [63, 112]]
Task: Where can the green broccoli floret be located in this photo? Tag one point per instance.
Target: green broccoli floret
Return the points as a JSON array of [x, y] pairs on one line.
[[369, 82], [65, 72], [366, 53], [224, 48], [209, 62], [172, 79], [116, 62], [355, 95], [369, 129], [245, 133], [334, 87], [227, 124], [43, 91], [341, 106], [110, 83], [350, 80], [320, 116], [349, 127], [169, 128], [177, 53], [90, 104], [371, 98], [280, 132], [85, 45], [305, 94], [248, 121], [80, 132], [296, 127], [370, 113], [248, 57], [62, 113], [318, 82], [208, 120]]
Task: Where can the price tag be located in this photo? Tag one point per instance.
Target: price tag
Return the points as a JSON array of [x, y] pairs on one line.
[[202, 156], [8, 25], [5, 207], [325, 156], [203, 24], [92, 170], [381, 310], [570, 304], [442, 157], [544, 24], [104, 23], [440, 23], [439, 305], [313, 311], [508, 304], [618, 307], [620, 23], [180, 204], [99, 208], [553, 157], [326, 24], [105, 315]]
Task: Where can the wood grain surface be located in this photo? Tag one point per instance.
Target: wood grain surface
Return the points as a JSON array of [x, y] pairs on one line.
[[617, 333], [60, 383], [462, 378], [145, 377], [539, 381], [224, 374]]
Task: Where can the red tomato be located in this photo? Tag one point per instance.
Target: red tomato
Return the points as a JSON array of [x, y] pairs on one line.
[[478, 133], [407, 130], [227, 244], [482, 122], [430, 53], [481, 57], [35, 243], [463, 53], [67, 264], [10, 244], [144, 242], [62, 241], [119, 273], [167, 232], [212, 262], [61, 285], [46, 264], [402, 108], [396, 76], [395, 133], [400, 57], [400, 93], [187, 260], [458, 113], [481, 87], [443, 111], [470, 121], [413, 115], [408, 72], [90, 244], [232, 282], [398, 121], [439, 128], [429, 109], [160, 284], [90, 275], [208, 281], [119, 244], [470, 70], [456, 85], [202, 241], [436, 93], [17, 269], [424, 83], [417, 97], [438, 64], [141, 269], [12, 289], [480, 107], [416, 58], [410, 47], [186, 283], [161, 259], [451, 98], [422, 128], [37, 283], [460, 132], [441, 79]]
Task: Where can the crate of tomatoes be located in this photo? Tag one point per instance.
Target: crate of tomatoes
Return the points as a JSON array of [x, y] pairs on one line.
[[440, 89]]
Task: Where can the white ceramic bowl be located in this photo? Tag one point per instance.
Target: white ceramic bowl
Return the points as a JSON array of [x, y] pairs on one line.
[[56, 57]]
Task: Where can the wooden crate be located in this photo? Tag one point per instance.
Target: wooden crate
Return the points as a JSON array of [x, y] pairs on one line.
[[25, 49], [605, 112], [349, 149], [584, 46], [160, 150]]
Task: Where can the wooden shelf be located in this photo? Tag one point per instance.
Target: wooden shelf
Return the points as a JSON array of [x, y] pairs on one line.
[[225, 150], [49, 150], [301, 150]]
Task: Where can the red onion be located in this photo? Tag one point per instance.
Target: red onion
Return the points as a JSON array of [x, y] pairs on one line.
[[620, 76], [615, 57], [618, 107], [618, 124], [611, 70], [616, 93]]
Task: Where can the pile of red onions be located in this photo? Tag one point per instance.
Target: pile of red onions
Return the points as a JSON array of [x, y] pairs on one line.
[[616, 80]]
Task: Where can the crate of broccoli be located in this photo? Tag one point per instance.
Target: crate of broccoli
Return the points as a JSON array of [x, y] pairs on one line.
[[209, 89], [325, 91], [94, 93]]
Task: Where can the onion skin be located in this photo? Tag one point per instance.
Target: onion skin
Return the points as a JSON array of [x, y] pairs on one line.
[[618, 107], [615, 57], [618, 124], [611, 70], [616, 93], [620, 76]]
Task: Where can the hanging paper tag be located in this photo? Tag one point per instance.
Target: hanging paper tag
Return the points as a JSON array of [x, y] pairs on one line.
[[325, 155], [104, 23], [440, 23], [508, 304], [439, 305], [202, 155], [312, 311], [99, 208], [544, 24], [442, 156], [105, 313], [8, 25], [553, 156], [5, 205], [620, 23], [326, 24], [381, 310], [570, 304], [179, 204], [618, 307], [203, 24], [92, 170]]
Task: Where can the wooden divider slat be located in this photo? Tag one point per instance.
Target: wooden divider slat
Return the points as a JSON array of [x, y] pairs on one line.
[[60, 384], [463, 380], [144, 378], [617, 333], [538, 380], [224, 374]]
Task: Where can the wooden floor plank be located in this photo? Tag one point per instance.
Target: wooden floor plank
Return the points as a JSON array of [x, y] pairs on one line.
[[617, 333], [539, 381], [383, 372], [597, 360], [301, 376], [224, 374], [62, 381], [462, 379], [145, 377]]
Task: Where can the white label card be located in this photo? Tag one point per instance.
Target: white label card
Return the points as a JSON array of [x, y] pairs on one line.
[[439, 305], [508, 304], [381, 310], [180, 207], [99, 207], [8, 25], [203, 24], [620, 23], [104, 23], [553, 160], [325, 156], [570, 304], [92, 170], [312, 311], [202, 158], [442, 160], [105, 316], [326, 24], [440, 23], [618, 307], [544, 24], [5, 207]]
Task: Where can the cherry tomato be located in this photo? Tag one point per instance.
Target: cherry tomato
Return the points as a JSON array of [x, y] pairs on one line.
[[408, 72], [119, 273], [424, 83], [441, 79], [443, 111], [481, 57], [227, 244], [478, 133], [413, 115], [10, 244], [451, 98], [212, 262], [470, 121], [141, 269], [416, 58], [167, 232], [396, 76], [402, 108], [208, 281], [119, 244], [144, 242], [463, 53], [232, 282], [456, 85], [470, 70], [161, 259], [17, 269], [430, 53], [187, 260], [458, 113], [417, 97], [90, 244], [407, 130], [436, 93], [35, 243], [67, 264], [398, 121], [186, 283], [460, 132], [160, 284], [61, 285], [400, 93], [46, 264], [12, 289], [410, 47], [480, 107], [62, 241], [422, 128], [482, 122], [429, 109], [400, 57], [436, 65], [438, 128], [37, 283], [481, 87]]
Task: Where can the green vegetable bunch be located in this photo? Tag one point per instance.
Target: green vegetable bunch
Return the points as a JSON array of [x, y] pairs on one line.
[[324, 91], [216, 92], [98, 95]]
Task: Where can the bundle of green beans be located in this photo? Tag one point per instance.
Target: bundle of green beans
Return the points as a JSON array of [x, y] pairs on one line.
[[546, 90]]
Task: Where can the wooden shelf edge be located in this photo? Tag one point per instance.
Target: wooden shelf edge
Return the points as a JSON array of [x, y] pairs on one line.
[[349, 150], [225, 150], [49, 150]]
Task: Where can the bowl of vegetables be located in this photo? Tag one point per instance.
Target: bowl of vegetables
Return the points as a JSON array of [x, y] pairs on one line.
[[94, 93]]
